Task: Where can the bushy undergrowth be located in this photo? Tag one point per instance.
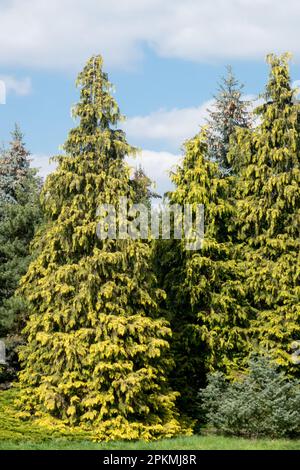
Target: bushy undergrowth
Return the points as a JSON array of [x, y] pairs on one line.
[[14, 428], [263, 402]]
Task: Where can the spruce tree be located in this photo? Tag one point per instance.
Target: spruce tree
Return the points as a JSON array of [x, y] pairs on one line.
[[269, 216], [14, 169], [96, 347], [20, 214], [229, 112]]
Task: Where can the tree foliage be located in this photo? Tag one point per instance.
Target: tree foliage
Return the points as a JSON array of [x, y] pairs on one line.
[[96, 351], [142, 187], [20, 214], [217, 312], [114, 325], [268, 215], [262, 402], [229, 111], [205, 288]]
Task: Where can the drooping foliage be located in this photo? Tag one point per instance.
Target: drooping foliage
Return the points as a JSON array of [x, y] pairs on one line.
[[206, 299], [205, 290], [268, 215], [96, 352], [104, 346]]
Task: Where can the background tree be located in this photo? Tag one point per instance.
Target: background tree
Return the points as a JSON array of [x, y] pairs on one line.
[[96, 348], [14, 169], [20, 215], [206, 300], [206, 304], [229, 112], [269, 216], [142, 187]]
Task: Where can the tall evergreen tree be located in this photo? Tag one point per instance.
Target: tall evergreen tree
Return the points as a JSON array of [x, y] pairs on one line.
[[205, 294], [269, 215], [229, 112], [14, 169], [210, 327], [96, 348], [20, 214]]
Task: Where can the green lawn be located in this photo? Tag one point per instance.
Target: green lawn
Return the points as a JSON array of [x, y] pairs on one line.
[[192, 443], [18, 434]]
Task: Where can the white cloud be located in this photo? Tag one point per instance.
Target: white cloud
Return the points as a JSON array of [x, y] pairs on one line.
[[42, 163], [20, 86], [62, 33], [174, 126], [296, 86], [157, 166], [171, 126]]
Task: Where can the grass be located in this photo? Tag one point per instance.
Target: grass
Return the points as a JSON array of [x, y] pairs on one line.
[[16, 434], [184, 443]]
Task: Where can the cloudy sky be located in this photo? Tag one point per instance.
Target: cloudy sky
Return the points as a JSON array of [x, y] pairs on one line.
[[165, 58]]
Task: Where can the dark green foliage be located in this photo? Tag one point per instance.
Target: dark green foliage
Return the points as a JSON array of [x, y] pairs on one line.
[[205, 288], [206, 300], [17, 229], [20, 214], [260, 403], [188, 373]]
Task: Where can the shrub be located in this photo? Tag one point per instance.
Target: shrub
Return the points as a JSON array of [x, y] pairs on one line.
[[262, 402], [14, 428]]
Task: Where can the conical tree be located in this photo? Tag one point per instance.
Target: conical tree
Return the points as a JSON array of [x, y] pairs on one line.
[[206, 298], [14, 169], [96, 349], [269, 215], [20, 215], [230, 111], [209, 316], [142, 187]]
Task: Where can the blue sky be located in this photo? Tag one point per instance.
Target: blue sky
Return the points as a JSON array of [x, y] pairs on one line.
[[164, 57]]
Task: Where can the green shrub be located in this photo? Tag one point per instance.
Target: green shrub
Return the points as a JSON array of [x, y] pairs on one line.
[[263, 402], [14, 428]]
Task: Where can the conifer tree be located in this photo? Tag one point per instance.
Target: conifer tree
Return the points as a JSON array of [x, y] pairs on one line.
[[269, 215], [229, 112], [206, 297], [14, 168], [20, 214], [96, 347], [205, 293], [142, 187]]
